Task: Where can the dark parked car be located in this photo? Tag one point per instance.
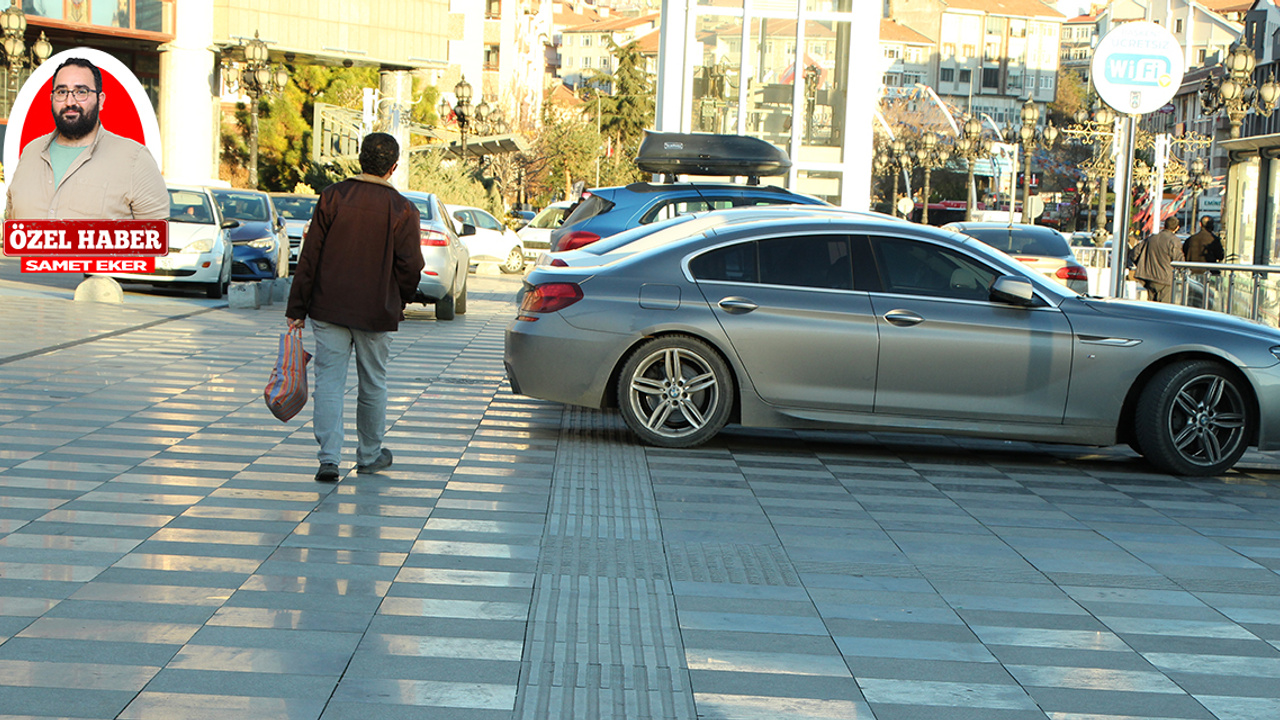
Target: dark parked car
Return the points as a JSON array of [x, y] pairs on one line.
[[260, 249], [772, 317], [296, 209]]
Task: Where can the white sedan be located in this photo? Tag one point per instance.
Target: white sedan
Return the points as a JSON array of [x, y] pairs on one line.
[[493, 241]]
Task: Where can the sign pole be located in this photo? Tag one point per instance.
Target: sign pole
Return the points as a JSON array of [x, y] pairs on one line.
[[1120, 225]]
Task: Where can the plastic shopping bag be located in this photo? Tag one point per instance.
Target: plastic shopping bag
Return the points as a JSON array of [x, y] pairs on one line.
[[286, 391]]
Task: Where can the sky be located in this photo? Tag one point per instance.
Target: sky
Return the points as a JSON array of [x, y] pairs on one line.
[[1071, 8]]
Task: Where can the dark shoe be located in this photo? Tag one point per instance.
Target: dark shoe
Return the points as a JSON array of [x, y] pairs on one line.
[[382, 463], [328, 472]]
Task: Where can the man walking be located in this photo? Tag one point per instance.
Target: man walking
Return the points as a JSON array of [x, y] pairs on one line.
[[1204, 246], [359, 266], [81, 170], [1155, 264]]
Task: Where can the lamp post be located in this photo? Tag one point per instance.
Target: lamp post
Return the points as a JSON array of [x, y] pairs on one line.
[[1236, 91], [971, 146], [1197, 180], [895, 157], [13, 22], [463, 113], [811, 76], [932, 153], [257, 80], [1031, 136]]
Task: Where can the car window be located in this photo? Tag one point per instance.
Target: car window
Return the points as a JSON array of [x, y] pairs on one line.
[[249, 207], [424, 208], [587, 208], [448, 221], [676, 208], [732, 263], [294, 208], [485, 220], [818, 261], [463, 216], [189, 206], [908, 267], [1022, 240], [550, 217]]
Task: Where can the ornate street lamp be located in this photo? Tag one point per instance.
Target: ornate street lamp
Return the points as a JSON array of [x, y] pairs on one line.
[[1197, 181], [895, 158], [932, 153], [970, 146], [463, 113], [811, 76], [1236, 91], [257, 79], [1031, 136], [13, 23]]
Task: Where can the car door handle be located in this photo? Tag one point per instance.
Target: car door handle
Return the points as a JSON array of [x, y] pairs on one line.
[[903, 318], [737, 305]]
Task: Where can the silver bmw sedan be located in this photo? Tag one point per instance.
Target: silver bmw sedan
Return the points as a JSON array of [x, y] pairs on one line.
[[797, 317]]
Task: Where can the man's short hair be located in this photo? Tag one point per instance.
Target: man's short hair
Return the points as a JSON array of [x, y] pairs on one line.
[[1171, 223], [81, 62], [378, 154], [1206, 222]]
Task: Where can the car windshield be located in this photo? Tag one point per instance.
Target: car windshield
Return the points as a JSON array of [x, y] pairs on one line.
[[424, 208], [295, 208], [1021, 241], [642, 238], [249, 207], [550, 217], [190, 206]]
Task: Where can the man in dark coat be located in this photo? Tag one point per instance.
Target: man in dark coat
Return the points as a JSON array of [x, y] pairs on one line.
[[1155, 263], [1203, 246], [360, 265]]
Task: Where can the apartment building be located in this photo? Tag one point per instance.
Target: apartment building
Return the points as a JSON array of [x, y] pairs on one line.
[[908, 55], [585, 48], [1079, 38]]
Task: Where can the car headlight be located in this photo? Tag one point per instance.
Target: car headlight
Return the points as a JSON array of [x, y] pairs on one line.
[[263, 243], [197, 247]]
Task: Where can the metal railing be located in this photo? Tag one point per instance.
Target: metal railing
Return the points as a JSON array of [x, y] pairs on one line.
[[1247, 291]]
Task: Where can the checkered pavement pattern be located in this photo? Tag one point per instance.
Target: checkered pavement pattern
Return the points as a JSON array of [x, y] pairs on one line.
[[165, 553]]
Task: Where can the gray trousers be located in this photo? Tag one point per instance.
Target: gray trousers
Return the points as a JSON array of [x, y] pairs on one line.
[[332, 357]]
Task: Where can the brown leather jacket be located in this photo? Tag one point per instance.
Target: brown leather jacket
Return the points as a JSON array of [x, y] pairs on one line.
[[361, 258]]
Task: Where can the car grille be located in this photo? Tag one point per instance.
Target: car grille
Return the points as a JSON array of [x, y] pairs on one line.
[[538, 244], [166, 272], [239, 268]]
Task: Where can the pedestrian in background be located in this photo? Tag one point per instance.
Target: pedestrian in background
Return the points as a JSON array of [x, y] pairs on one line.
[[81, 170], [1155, 261], [359, 266], [1204, 246]]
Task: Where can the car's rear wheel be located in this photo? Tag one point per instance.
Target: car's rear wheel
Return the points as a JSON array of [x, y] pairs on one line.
[[1193, 419], [515, 261], [445, 307], [675, 391]]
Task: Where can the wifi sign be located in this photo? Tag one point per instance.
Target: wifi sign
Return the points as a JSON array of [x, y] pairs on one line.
[[1138, 67]]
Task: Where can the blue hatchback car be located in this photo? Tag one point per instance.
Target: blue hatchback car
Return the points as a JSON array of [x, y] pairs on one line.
[[607, 211]]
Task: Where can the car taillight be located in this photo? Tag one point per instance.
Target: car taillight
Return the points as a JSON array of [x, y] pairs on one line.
[[433, 238], [577, 239], [557, 262], [548, 298], [1072, 272]]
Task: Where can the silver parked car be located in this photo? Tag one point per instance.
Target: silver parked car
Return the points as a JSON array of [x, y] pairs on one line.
[[802, 318], [444, 277]]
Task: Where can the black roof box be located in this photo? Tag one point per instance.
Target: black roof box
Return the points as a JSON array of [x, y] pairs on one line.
[[708, 154]]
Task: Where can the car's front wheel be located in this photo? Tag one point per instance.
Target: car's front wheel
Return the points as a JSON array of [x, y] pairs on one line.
[[444, 307], [515, 261], [1193, 418], [675, 391]]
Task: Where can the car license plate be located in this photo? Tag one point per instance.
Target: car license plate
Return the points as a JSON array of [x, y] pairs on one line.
[[163, 263]]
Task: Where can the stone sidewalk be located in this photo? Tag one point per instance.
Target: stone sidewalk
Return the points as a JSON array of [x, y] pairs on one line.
[[164, 552]]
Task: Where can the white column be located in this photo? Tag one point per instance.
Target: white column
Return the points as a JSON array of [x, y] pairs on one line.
[[189, 115], [671, 112], [393, 117], [864, 46]]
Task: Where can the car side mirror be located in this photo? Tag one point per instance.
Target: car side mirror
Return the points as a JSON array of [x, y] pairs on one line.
[[467, 229], [228, 224], [1013, 290]]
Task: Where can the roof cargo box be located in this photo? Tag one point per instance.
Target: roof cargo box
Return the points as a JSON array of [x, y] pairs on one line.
[[673, 154]]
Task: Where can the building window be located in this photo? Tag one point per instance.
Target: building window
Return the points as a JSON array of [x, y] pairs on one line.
[[947, 74], [966, 76], [892, 80], [493, 9], [891, 53], [912, 78], [586, 62], [992, 51], [1018, 28], [990, 78], [1203, 55], [968, 51], [490, 57], [913, 55], [586, 41], [1015, 82], [1046, 82], [1177, 25], [948, 50]]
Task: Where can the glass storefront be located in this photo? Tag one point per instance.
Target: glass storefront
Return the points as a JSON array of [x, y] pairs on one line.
[[778, 70]]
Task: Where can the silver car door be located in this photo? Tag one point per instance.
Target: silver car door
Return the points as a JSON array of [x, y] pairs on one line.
[[805, 338], [947, 351]]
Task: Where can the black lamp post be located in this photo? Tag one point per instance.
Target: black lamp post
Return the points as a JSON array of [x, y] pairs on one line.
[[932, 153], [463, 112], [13, 22], [1030, 136], [971, 146], [257, 79], [1236, 92], [1198, 179]]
